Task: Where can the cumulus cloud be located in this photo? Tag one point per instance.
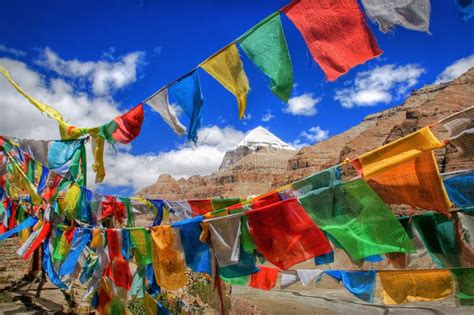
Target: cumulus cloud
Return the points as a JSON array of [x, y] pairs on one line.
[[139, 171], [21, 119], [379, 85], [12, 51], [311, 136], [303, 105], [104, 76], [456, 69], [268, 116]]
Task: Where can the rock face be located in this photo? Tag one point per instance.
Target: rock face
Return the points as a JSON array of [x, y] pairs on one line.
[[265, 169]]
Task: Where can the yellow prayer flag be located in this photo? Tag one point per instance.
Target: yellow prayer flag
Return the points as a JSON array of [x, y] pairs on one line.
[[416, 285], [97, 239], [226, 67], [398, 151], [168, 261]]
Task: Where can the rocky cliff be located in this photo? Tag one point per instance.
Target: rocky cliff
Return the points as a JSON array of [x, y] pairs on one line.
[[261, 171]]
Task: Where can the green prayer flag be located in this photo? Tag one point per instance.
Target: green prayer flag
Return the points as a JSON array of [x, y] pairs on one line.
[[265, 45], [220, 203], [356, 217], [243, 280], [439, 236], [465, 280], [128, 206]]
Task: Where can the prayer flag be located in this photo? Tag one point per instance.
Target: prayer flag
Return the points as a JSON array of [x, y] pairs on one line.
[[359, 283], [413, 15], [187, 92], [160, 103], [225, 240], [265, 279], [415, 285], [285, 234], [354, 215], [335, 32], [226, 67], [265, 45], [168, 261]]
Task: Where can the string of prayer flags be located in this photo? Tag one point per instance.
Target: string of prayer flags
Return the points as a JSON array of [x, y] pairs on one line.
[[405, 171], [417, 285], [187, 92], [160, 103], [123, 128], [265, 279], [168, 261], [413, 15], [265, 44], [324, 26], [360, 283], [227, 68], [285, 234], [354, 215]]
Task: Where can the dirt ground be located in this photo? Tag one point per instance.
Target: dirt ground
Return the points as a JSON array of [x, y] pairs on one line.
[[329, 299]]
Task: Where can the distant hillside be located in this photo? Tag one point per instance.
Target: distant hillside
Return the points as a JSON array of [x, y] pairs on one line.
[[263, 170]]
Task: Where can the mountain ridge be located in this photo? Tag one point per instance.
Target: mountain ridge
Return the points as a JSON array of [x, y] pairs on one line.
[[264, 170]]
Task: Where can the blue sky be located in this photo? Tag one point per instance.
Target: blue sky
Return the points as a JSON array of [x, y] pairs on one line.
[[132, 48]]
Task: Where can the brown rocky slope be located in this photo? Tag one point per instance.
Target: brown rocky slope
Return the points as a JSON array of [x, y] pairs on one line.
[[259, 172]]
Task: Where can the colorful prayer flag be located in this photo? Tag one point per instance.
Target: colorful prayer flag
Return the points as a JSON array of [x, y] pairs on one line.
[[335, 32], [265, 45], [226, 67]]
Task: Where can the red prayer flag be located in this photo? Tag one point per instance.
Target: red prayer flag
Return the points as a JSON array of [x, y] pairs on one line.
[[285, 234], [336, 33], [265, 200], [113, 207], [45, 229], [129, 125], [201, 206], [118, 269], [265, 279]]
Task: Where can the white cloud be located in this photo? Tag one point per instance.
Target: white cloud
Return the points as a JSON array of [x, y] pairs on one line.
[[104, 76], [268, 116], [456, 69], [313, 135], [380, 85], [125, 169], [11, 51], [21, 119], [175, 109], [303, 105]]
